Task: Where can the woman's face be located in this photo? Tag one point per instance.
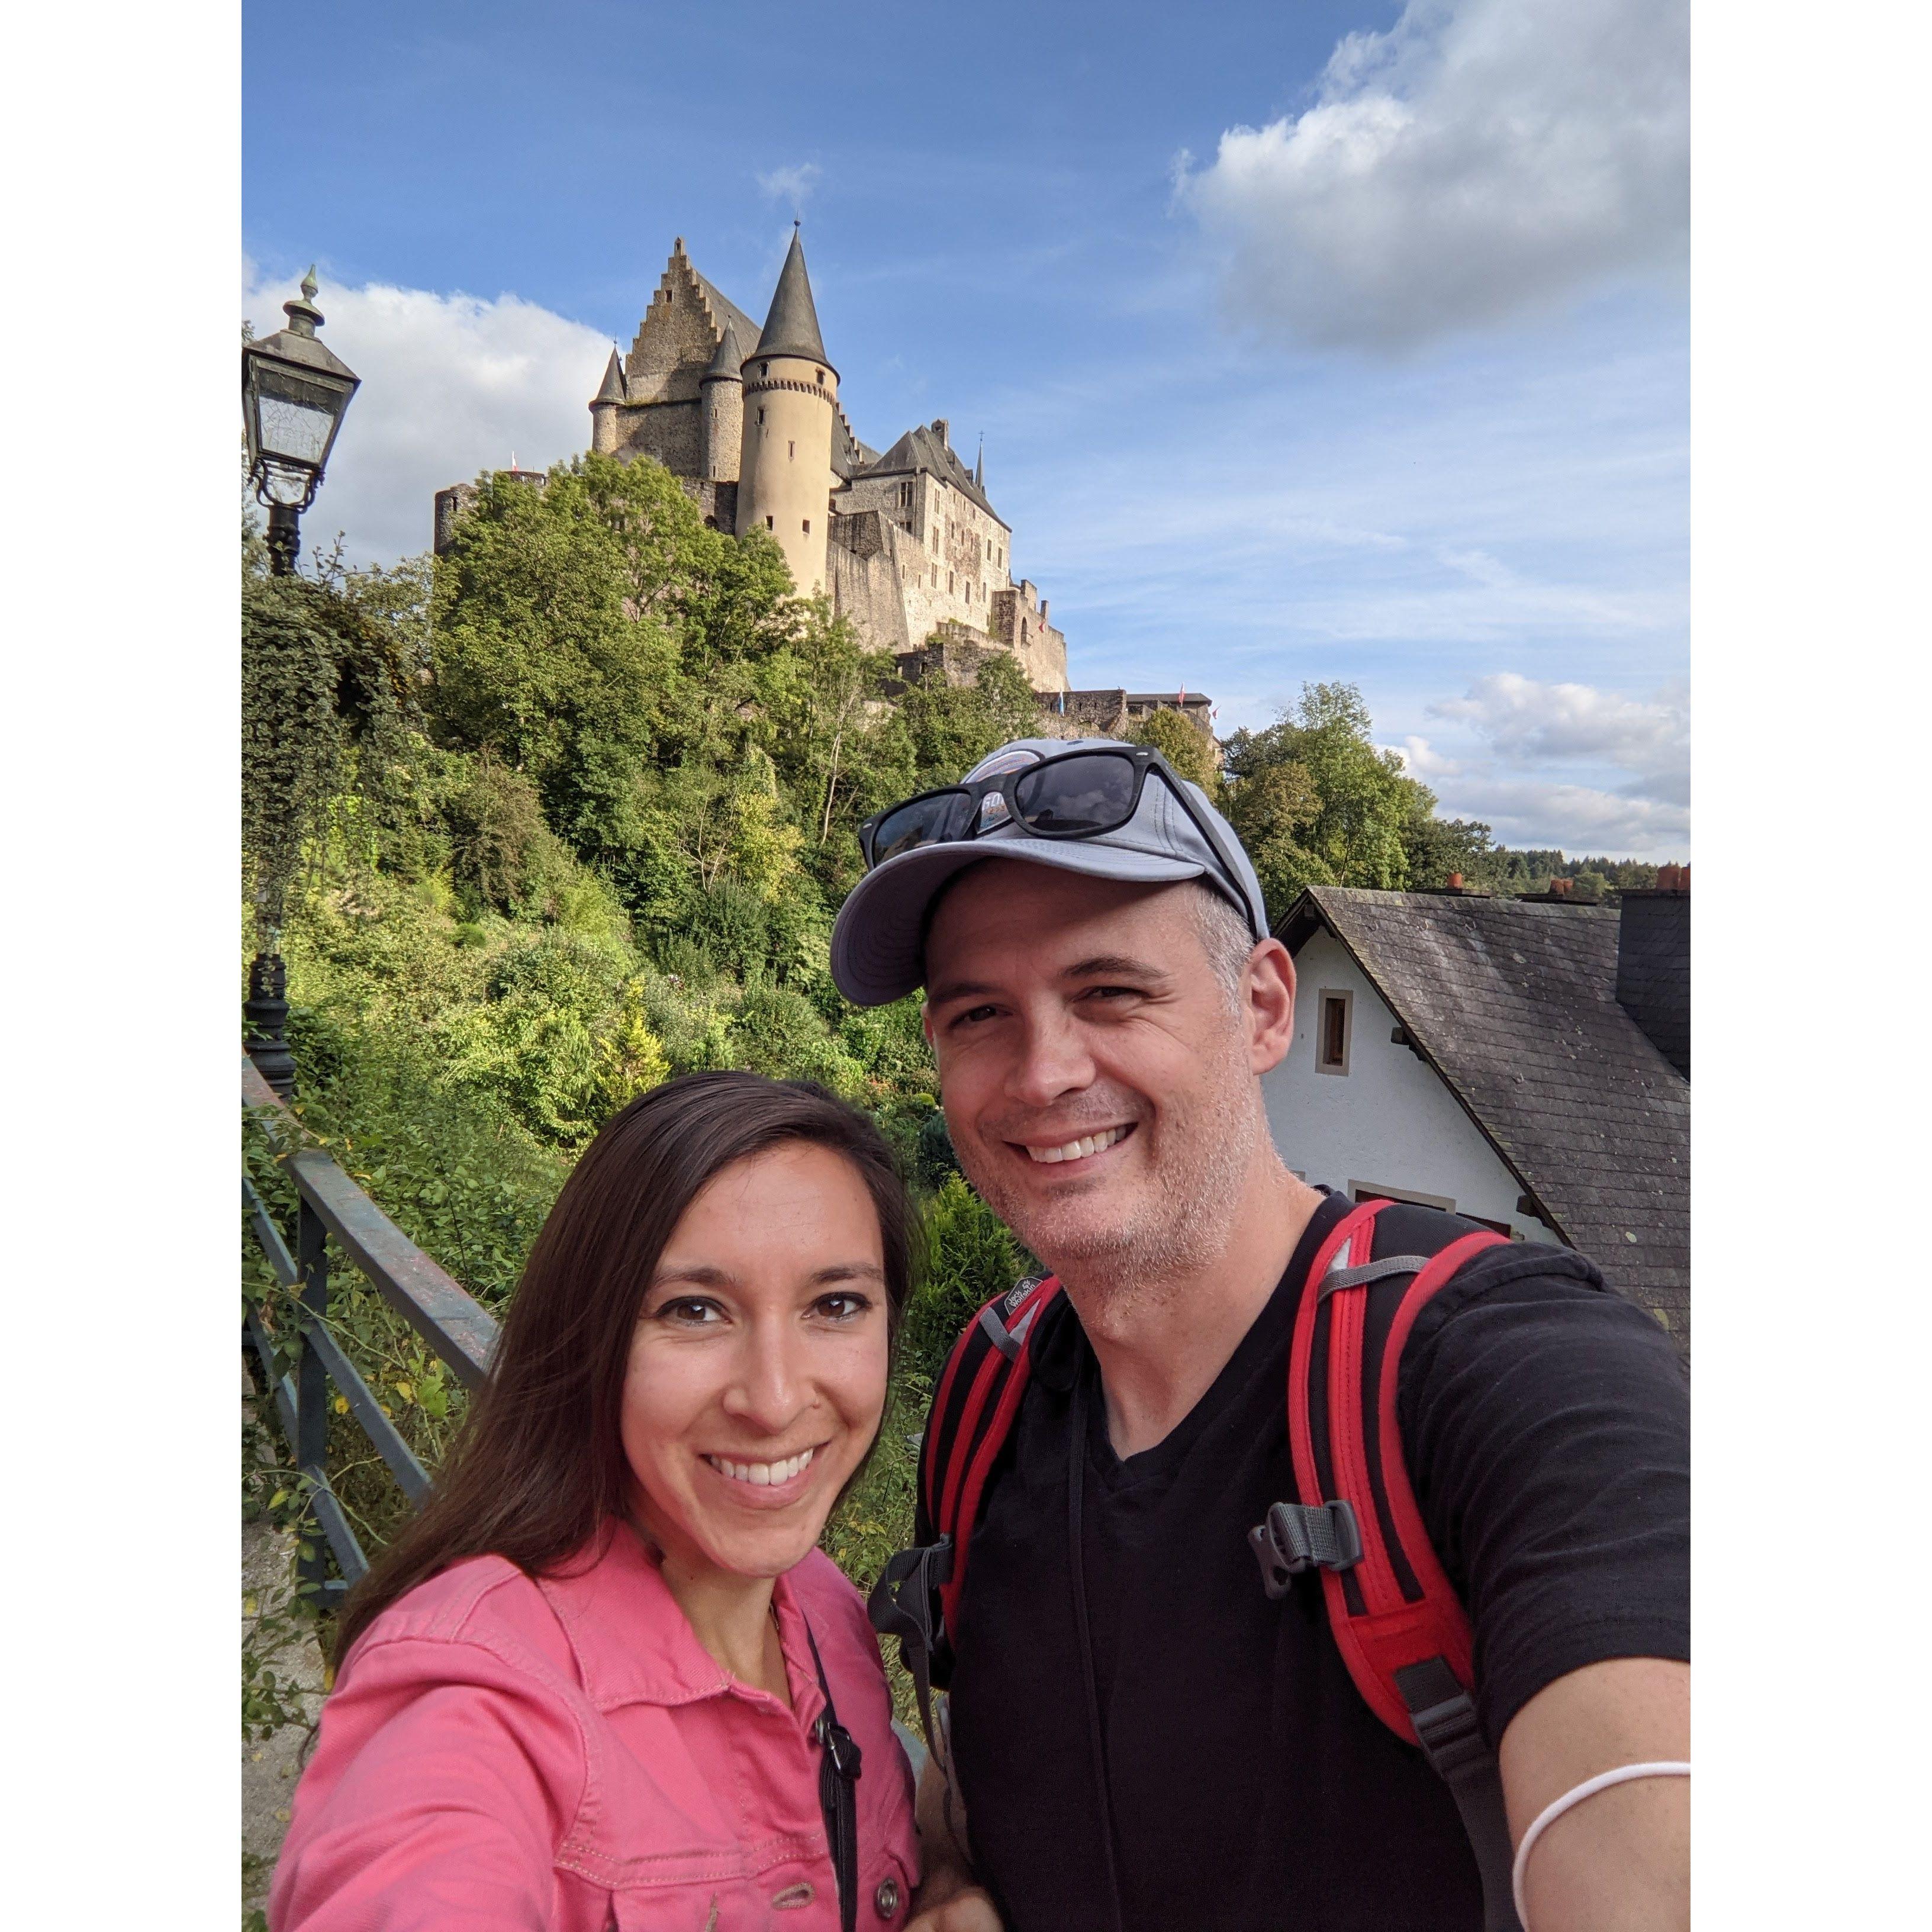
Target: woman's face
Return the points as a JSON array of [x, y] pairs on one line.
[[757, 1369]]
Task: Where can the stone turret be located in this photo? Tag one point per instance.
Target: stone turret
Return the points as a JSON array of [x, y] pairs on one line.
[[605, 434], [722, 415], [790, 394]]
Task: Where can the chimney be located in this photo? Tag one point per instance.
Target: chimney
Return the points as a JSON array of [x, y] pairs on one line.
[[1559, 889], [1455, 882], [942, 429], [1654, 963]]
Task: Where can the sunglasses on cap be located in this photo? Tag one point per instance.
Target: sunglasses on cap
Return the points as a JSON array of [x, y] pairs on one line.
[[1076, 794]]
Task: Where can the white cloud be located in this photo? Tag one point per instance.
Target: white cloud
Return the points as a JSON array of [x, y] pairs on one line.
[[1581, 819], [452, 384], [1532, 746], [791, 185], [1421, 760], [1480, 159], [1528, 723]]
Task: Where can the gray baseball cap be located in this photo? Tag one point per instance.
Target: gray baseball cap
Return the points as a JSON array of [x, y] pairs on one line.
[[878, 940]]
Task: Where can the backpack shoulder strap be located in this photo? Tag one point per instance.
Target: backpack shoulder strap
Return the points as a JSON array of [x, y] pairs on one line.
[[1400, 1627], [916, 1598], [972, 1415]]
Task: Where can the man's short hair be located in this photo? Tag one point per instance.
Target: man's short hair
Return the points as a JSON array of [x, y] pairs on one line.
[[1224, 934]]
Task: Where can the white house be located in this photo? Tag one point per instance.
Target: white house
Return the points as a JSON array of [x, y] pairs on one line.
[[1474, 1053]]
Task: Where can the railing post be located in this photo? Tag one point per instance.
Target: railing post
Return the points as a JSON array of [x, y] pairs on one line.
[[265, 1016], [312, 1380]]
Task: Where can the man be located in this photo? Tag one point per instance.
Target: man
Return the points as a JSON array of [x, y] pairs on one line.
[[1140, 1738]]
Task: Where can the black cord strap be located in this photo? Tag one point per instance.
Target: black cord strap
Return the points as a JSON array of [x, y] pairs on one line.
[[838, 1767]]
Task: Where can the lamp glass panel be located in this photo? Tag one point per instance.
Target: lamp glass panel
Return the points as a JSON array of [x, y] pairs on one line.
[[296, 415]]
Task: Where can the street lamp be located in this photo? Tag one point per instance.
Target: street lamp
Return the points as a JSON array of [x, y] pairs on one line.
[[295, 392]]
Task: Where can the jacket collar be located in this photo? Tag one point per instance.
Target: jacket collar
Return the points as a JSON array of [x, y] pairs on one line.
[[633, 1644]]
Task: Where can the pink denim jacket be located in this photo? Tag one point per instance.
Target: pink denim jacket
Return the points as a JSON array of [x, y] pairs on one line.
[[503, 1753]]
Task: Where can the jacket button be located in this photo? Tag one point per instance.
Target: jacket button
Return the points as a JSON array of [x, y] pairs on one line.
[[886, 1898]]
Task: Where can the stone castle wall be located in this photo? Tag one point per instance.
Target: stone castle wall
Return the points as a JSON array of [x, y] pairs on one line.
[[864, 577], [672, 433], [1019, 622]]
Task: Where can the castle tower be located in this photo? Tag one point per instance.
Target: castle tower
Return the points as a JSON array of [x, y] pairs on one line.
[[791, 392], [721, 414], [604, 407]]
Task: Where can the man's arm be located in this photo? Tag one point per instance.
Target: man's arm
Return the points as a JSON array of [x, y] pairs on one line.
[[948, 1901], [1619, 1860]]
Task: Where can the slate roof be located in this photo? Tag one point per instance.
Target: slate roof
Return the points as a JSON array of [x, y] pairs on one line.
[[612, 390], [791, 329], [923, 448], [729, 358], [1514, 1004]]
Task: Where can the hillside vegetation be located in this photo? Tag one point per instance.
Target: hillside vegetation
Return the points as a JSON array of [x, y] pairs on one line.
[[571, 811]]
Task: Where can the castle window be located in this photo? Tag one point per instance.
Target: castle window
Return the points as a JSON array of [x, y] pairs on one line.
[[818, 375], [808, 526], [935, 577], [768, 523], [791, 451], [764, 368], [761, 419]]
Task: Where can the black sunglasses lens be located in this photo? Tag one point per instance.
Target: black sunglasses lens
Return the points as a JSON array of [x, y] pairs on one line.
[[923, 821], [1088, 793]]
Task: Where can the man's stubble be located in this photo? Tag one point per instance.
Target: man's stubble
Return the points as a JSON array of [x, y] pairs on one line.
[[1182, 1218]]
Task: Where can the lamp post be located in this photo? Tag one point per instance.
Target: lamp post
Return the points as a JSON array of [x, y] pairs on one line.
[[295, 392]]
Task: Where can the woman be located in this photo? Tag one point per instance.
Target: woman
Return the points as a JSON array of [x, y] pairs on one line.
[[584, 1687]]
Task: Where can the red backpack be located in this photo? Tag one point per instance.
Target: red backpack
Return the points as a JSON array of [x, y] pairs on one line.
[[1401, 1629]]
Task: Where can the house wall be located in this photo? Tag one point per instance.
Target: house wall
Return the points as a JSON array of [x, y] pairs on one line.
[[1387, 1122]]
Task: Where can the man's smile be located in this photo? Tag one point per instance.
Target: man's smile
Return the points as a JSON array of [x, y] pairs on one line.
[[1083, 1147]]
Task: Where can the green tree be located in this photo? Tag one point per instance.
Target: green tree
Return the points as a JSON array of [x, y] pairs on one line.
[[327, 699], [1188, 747], [953, 727], [1365, 805]]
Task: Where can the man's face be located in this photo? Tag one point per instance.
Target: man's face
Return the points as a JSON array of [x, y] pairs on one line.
[[1100, 1087]]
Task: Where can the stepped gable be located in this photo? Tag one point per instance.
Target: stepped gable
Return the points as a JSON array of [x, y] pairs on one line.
[[1514, 1003], [791, 329], [850, 456], [925, 449], [727, 317]]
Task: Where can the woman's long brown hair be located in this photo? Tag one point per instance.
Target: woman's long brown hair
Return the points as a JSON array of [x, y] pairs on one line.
[[540, 1464]]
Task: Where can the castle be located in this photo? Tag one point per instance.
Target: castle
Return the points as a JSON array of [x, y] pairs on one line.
[[907, 545]]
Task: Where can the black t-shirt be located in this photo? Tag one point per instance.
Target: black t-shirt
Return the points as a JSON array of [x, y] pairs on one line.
[[1545, 1422]]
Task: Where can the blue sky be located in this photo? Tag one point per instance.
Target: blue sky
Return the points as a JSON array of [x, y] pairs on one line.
[[1311, 342]]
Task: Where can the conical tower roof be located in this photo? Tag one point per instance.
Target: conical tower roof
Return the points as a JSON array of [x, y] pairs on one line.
[[728, 363], [791, 329], [613, 389]]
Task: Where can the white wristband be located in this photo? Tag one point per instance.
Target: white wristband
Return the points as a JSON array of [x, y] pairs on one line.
[[1625, 1774]]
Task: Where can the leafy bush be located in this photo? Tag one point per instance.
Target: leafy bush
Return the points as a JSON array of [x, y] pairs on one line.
[[972, 1257]]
